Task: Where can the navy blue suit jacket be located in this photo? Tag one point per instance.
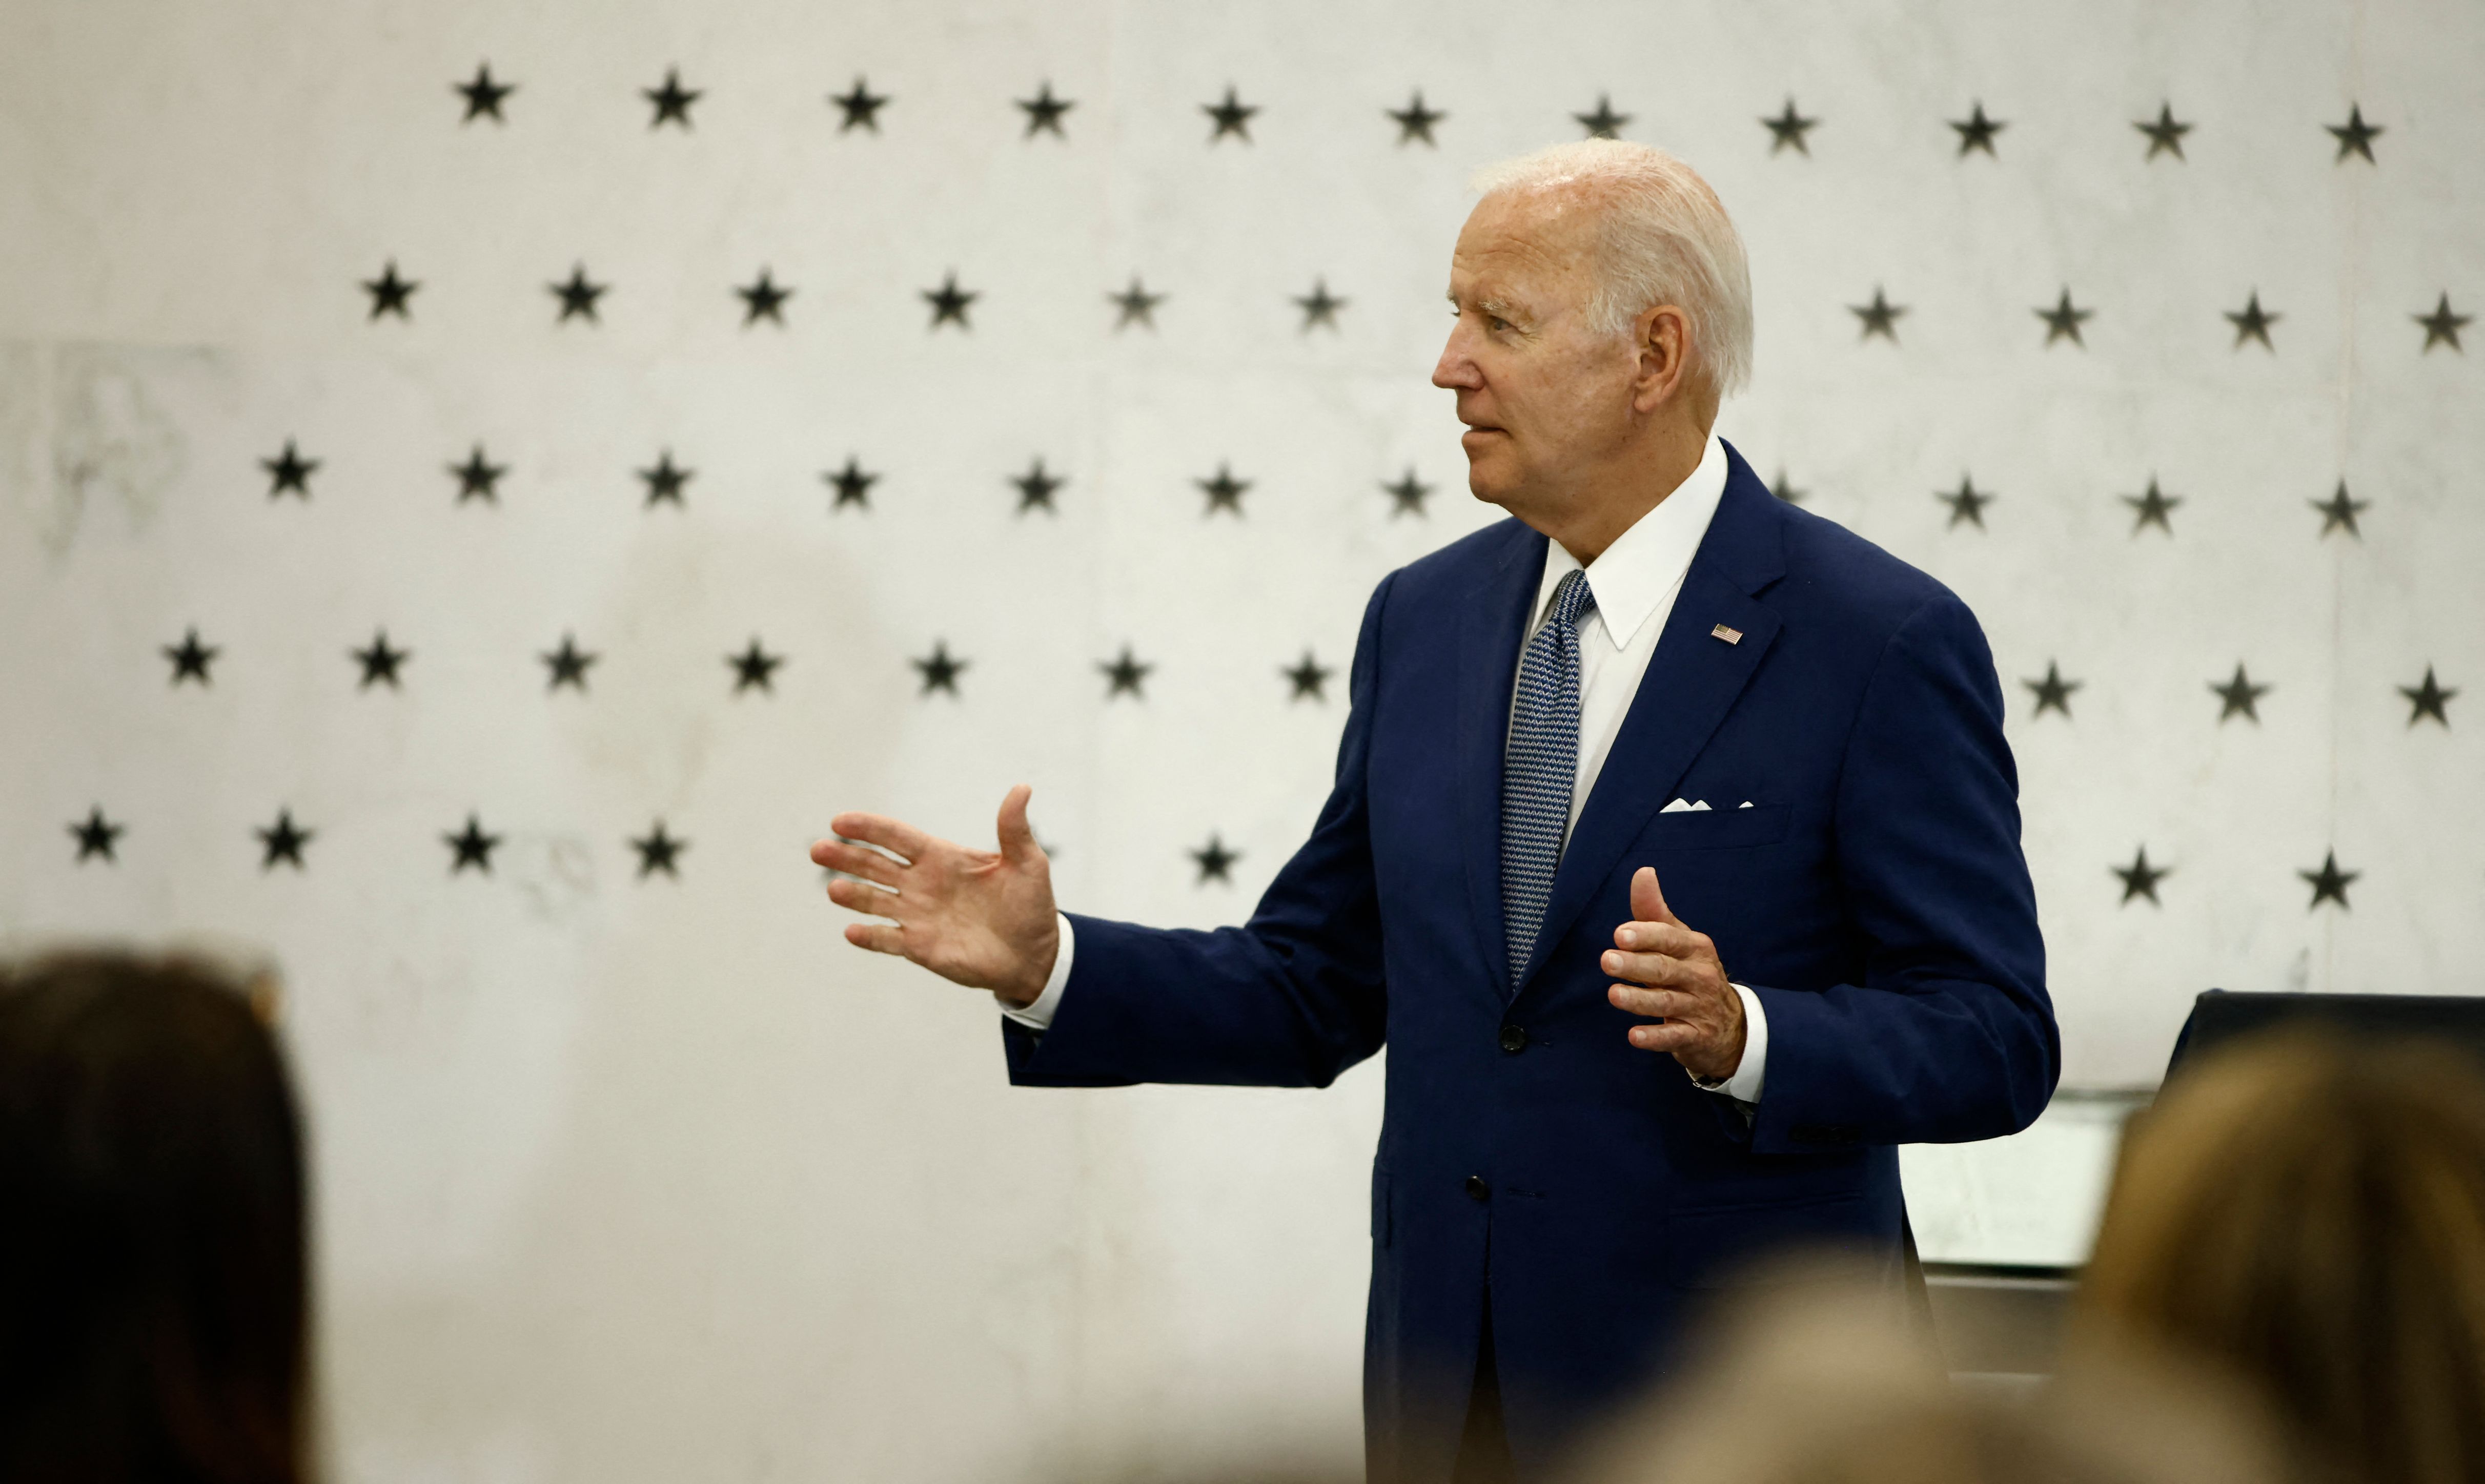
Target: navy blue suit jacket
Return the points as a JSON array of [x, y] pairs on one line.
[[1873, 897]]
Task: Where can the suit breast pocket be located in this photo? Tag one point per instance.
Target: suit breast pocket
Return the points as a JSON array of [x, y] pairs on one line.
[[1716, 829]]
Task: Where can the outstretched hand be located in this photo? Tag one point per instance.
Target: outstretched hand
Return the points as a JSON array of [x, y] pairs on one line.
[[1702, 1015], [978, 918]]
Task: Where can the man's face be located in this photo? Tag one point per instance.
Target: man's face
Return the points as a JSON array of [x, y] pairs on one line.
[[1545, 400]]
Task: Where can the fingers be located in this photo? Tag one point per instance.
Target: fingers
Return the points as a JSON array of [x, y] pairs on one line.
[[1672, 1036], [882, 830], [1655, 1004], [1647, 903], [874, 900], [878, 937], [1669, 938], [1655, 968], [855, 860], [1017, 836]]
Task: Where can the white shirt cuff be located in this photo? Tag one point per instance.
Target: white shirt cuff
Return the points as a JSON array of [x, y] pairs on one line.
[[1744, 1086], [1038, 1014]]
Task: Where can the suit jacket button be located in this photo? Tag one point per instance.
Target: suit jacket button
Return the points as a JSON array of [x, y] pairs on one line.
[[1514, 1038], [1477, 1189]]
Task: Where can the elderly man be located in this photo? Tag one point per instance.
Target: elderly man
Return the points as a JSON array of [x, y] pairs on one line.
[[1654, 671]]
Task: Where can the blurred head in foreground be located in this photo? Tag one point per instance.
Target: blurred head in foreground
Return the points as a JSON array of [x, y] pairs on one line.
[[2311, 1215], [151, 1286], [1810, 1382]]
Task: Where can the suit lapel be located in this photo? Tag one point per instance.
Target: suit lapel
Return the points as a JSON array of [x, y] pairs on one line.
[[1691, 684], [1493, 622]]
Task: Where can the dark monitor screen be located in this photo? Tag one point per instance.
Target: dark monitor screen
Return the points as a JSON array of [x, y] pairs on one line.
[[2220, 1016]]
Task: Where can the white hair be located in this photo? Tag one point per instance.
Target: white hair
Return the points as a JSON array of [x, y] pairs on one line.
[[1663, 238]]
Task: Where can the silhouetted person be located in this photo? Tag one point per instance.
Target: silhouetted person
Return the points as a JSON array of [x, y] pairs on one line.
[[153, 1301], [2311, 1215]]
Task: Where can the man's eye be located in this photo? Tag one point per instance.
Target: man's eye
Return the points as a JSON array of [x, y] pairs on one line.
[[1496, 322]]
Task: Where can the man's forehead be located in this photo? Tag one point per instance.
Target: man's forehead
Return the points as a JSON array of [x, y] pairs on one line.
[[1531, 234]]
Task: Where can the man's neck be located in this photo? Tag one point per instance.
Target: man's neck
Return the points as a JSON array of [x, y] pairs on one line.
[[1639, 485]]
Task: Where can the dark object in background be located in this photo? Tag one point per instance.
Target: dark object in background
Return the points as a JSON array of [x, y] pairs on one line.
[[152, 1299], [2222, 1016]]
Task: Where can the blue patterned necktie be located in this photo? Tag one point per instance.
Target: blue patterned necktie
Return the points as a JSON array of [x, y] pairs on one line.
[[1540, 767]]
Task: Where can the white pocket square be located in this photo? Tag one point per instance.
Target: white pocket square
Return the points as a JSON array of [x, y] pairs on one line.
[[1680, 806]]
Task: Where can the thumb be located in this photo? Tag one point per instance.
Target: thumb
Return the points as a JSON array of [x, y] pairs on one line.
[[1017, 836], [1647, 901]]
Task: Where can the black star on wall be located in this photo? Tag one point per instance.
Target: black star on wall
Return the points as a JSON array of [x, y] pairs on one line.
[[95, 835], [2442, 327], [1309, 677], [755, 666], [568, 665], [1036, 488], [1215, 861], [2338, 512], [2330, 884], [1976, 131], [1407, 495], [949, 302], [483, 95], [1603, 123], [1784, 488], [1138, 306], [471, 846], [1125, 675], [1319, 307], [380, 661], [2063, 319], [763, 299], [2052, 693], [2165, 137], [1224, 492], [852, 484], [390, 293], [190, 658], [665, 479], [1232, 116], [2428, 699], [2252, 322], [1967, 503], [1788, 128], [2153, 506], [2139, 878], [941, 670], [289, 470], [477, 478], [860, 105], [1880, 316], [1414, 121], [2238, 697], [578, 296], [673, 101], [1044, 112], [2355, 136], [282, 842], [656, 851]]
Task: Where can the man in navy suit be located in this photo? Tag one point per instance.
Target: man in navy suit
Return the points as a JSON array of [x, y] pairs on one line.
[[1655, 671]]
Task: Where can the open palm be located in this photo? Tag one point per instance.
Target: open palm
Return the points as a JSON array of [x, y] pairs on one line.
[[979, 918]]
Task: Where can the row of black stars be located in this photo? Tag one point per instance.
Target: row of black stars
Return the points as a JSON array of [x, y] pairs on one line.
[[479, 479], [1126, 674], [1230, 117], [392, 293], [282, 842], [754, 668]]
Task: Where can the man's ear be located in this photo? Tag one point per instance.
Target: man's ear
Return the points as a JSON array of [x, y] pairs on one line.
[[1661, 337]]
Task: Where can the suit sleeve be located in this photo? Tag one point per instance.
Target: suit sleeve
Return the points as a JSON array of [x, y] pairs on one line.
[[1950, 1036], [1290, 999]]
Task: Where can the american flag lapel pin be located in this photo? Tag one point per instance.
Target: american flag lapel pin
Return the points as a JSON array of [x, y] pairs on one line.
[[1729, 635]]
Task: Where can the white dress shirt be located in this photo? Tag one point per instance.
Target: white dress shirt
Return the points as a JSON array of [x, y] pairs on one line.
[[1635, 582]]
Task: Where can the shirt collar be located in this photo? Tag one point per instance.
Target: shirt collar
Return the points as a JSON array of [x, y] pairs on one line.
[[1645, 562]]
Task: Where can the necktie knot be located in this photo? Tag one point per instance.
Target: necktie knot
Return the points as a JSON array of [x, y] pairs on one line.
[[1572, 600]]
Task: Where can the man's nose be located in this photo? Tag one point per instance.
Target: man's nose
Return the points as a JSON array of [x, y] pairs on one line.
[[1455, 370]]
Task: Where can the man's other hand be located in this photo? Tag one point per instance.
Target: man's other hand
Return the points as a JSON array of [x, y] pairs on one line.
[[978, 918], [1685, 985]]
